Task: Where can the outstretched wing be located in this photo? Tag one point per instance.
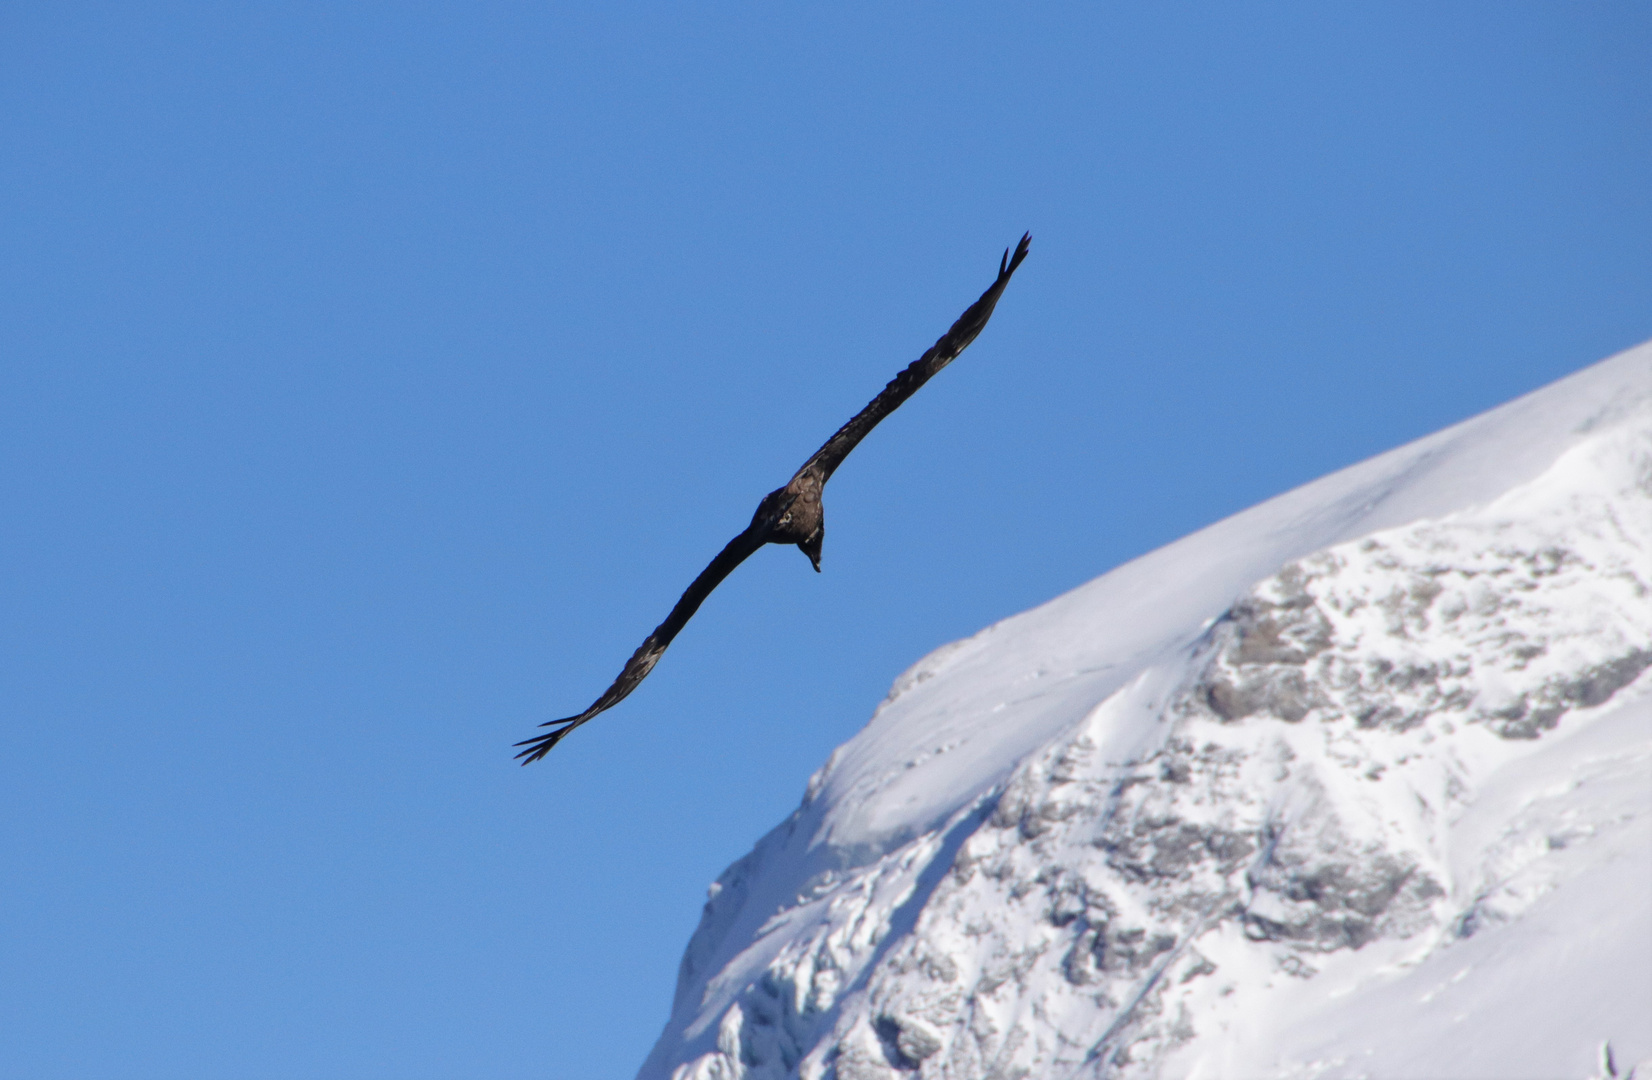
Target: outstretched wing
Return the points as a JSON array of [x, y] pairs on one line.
[[648, 654], [826, 460]]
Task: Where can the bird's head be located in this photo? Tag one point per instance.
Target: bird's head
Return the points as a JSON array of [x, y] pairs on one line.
[[811, 544]]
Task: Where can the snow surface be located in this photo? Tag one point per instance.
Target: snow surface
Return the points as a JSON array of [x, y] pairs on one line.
[[1355, 783]]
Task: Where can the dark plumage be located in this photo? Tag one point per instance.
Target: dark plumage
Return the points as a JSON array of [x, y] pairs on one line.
[[792, 514]]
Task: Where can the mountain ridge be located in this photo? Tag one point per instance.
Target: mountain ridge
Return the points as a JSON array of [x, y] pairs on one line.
[[1107, 837]]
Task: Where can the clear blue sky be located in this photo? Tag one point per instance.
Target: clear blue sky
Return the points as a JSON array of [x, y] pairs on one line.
[[374, 377]]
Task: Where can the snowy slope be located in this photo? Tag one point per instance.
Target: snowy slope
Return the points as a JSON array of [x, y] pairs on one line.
[[1355, 783]]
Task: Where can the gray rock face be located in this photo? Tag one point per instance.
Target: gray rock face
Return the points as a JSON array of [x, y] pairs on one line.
[[1290, 657]]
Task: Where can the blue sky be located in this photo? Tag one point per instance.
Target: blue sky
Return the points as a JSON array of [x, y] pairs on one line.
[[373, 378]]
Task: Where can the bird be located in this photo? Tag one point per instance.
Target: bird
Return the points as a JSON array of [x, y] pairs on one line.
[[792, 514]]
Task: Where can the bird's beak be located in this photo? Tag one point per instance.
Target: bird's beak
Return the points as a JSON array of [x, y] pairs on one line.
[[811, 547]]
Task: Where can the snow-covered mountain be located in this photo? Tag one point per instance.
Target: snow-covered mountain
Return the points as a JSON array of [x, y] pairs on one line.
[[1355, 783]]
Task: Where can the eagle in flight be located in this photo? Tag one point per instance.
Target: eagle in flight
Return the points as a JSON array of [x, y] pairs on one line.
[[792, 514]]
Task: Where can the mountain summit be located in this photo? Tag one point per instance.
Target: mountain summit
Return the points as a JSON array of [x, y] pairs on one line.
[[1355, 783]]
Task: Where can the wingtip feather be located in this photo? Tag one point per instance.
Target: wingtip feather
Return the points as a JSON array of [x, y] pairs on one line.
[[540, 745], [1021, 250], [1007, 264]]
